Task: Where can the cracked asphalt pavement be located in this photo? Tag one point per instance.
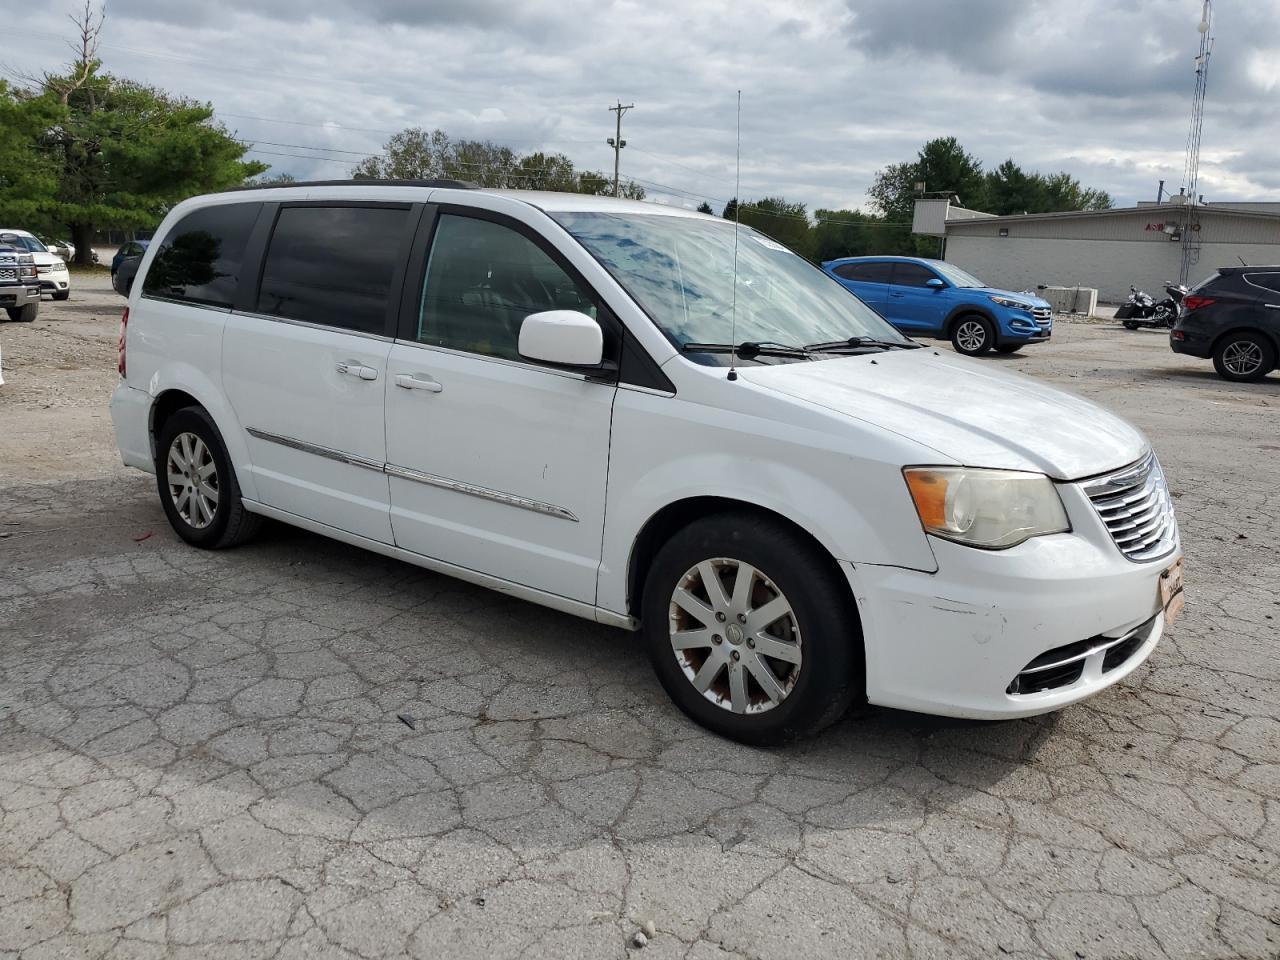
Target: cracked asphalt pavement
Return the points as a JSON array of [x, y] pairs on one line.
[[202, 754]]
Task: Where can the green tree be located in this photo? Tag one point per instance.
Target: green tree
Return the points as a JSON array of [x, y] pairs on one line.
[[705, 207], [943, 166], [783, 220], [853, 233], [28, 175], [125, 153], [418, 154], [1065, 192]]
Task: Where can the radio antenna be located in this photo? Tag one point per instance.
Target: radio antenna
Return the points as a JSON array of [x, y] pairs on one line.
[[737, 205]]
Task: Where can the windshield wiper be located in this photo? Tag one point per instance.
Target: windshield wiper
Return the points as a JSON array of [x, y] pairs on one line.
[[749, 349], [853, 343]]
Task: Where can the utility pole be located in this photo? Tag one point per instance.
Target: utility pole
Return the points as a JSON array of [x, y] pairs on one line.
[[616, 140]]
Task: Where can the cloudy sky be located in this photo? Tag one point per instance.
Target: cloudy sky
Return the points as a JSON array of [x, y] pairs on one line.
[[832, 89]]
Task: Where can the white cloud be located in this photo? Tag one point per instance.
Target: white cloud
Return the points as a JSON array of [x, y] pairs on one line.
[[832, 91]]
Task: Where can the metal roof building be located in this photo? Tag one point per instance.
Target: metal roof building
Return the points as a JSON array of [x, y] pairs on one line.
[[1104, 249]]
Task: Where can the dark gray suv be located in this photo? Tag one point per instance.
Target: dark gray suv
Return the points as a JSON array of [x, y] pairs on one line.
[[1233, 317]]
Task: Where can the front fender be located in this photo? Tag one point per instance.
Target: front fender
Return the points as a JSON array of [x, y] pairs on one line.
[[856, 507]]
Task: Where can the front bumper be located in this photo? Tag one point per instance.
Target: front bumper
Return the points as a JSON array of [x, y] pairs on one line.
[[54, 282], [1020, 328], [955, 642], [18, 296]]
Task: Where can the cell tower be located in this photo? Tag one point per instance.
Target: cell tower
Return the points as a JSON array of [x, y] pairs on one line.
[[1191, 167]]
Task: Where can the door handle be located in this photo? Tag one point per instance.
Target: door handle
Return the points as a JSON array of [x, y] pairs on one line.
[[898, 295], [418, 381], [354, 368]]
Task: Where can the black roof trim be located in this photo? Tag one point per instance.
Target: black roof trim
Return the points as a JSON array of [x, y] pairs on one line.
[[1250, 268], [360, 182]]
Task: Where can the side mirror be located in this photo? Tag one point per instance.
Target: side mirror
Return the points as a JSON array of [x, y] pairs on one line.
[[566, 338], [935, 283]]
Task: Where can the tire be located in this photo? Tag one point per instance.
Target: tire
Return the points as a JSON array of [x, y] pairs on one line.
[[1008, 348], [822, 669], [1131, 325], [25, 313], [973, 335], [1244, 357], [61, 294], [190, 435]]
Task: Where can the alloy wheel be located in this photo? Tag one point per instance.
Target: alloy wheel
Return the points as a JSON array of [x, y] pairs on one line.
[[192, 476], [1242, 358], [735, 636], [971, 335]]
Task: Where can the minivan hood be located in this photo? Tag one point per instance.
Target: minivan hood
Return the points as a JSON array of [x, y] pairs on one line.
[[965, 409]]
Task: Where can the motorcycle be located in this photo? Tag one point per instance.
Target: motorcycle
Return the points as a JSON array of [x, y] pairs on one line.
[[1142, 310]]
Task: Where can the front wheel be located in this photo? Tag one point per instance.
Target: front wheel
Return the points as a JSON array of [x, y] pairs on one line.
[[23, 314], [750, 630], [61, 294], [198, 487], [973, 336], [1244, 357]]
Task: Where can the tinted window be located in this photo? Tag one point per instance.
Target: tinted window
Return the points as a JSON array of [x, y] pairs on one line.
[[1268, 281], [333, 265], [912, 275], [482, 280], [865, 272], [199, 261]]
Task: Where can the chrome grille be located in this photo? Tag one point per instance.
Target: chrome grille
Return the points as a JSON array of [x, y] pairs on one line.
[[1134, 505], [8, 274], [1042, 313]]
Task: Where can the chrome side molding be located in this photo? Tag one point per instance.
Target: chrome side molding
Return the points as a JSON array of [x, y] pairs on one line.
[[484, 493], [327, 452], [418, 476]]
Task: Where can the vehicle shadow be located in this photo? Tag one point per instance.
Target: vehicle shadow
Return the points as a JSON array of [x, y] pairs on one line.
[[327, 691]]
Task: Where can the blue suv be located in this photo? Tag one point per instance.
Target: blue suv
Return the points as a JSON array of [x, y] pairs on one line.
[[935, 298]]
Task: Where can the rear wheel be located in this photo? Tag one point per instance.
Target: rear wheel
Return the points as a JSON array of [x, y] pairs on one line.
[[23, 314], [1244, 357], [973, 336], [198, 487], [750, 631], [1131, 325]]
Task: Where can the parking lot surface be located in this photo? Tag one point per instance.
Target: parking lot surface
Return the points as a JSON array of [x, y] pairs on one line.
[[297, 749]]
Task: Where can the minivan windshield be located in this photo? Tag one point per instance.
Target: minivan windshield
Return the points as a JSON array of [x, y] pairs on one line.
[[955, 275], [681, 271]]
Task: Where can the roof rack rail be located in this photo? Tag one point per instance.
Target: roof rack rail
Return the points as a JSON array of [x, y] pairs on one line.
[[362, 182]]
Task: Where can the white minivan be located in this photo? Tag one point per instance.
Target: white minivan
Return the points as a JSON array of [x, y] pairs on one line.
[[652, 419]]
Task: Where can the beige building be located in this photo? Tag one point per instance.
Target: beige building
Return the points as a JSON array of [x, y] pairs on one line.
[[1104, 249]]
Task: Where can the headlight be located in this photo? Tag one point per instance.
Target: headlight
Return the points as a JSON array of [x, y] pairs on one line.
[[1012, 304], [992, 509], [58, 267]]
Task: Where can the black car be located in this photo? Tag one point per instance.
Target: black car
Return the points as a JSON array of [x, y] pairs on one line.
[[1233, 317], [124, 265]]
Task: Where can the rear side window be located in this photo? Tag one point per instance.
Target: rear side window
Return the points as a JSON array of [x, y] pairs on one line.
[[1267, 281], [865, 272], [912, 275], [333, 265], [199, 260]]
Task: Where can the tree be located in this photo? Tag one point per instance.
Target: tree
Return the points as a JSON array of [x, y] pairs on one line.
[[416, 154], [783, 220], [28, 175], [943, 166], [853, 233], [705, 207], [124, 152], [1011, 190]]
